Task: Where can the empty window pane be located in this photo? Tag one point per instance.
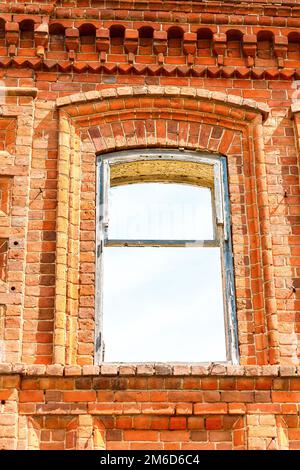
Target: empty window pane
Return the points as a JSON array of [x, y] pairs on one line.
[[159, 211], [163, 304]]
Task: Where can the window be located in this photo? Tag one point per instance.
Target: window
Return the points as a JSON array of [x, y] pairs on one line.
[[165, 290]]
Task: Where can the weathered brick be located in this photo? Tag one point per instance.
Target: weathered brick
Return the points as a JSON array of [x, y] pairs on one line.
[[108, 85]]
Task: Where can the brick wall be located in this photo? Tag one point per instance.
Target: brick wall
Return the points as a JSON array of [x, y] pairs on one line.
[[150, 407], [99, 77]]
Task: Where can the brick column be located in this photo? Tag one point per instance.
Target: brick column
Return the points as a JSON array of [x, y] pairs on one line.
[[266, 432]]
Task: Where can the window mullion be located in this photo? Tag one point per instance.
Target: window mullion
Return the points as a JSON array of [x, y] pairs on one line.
[[218, 203], [162, 243]]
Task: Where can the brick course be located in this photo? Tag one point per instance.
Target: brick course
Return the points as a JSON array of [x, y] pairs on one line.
[[150, 411], [77, 80]]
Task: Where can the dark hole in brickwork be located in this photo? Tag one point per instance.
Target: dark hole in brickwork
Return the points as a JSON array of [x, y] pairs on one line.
[[265, 45], [87, 38], [204, 42], [234, 43], [26, 34], [56, 37], [2, 32], [146, 32], [117, 31], [145, 40], [294, 46]]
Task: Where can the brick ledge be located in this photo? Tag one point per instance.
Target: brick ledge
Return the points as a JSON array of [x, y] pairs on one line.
[[150, 369]]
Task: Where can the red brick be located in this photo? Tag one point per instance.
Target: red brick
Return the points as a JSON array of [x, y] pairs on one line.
[[237, 396], [31, 396], [286, 397], [124, 422], [178, 423], [79, 396], [210, 408], [5, 394], [174, 436], [214, 422], [159, 422], [141, 435]]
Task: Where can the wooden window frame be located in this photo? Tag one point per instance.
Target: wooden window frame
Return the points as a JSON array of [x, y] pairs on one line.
[[222, 232]]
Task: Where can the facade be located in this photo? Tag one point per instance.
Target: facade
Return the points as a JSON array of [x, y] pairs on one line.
[[84, 79]]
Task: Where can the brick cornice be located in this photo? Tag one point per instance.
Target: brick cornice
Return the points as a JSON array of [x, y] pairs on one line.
[[278, 26], [267, 7]]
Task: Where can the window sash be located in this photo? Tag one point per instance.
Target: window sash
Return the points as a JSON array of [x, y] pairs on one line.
[[130, 242]]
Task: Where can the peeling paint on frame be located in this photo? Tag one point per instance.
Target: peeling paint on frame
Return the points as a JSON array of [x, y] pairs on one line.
[[222, 233]]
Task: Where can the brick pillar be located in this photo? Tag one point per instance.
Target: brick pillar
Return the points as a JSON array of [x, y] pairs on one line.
[[266, 432], [239, 434], [90, 434], [9, 385]]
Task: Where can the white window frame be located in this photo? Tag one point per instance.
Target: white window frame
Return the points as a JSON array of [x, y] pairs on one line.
[[222, 234]]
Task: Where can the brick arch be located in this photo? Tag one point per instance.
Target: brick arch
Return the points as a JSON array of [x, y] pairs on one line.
[[166, 117], [87, 104]]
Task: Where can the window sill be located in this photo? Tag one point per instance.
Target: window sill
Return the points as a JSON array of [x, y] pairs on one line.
[[147, 370]]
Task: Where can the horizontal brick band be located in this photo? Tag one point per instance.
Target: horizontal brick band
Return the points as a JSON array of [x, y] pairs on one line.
[[151, 369], [196, 12]]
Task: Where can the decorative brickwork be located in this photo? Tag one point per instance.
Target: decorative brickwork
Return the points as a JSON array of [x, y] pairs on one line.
[[190, 42], [138, 117], [79, 79]]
